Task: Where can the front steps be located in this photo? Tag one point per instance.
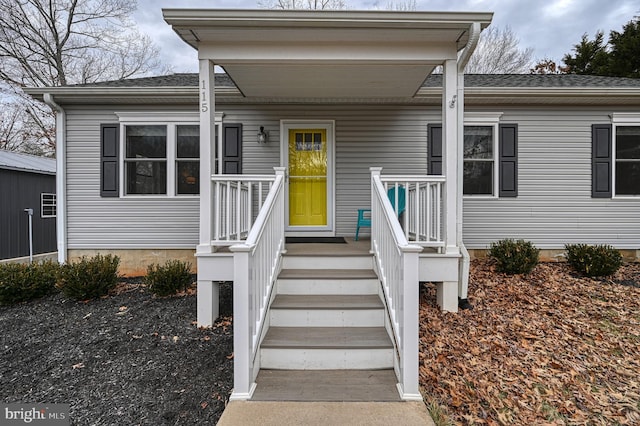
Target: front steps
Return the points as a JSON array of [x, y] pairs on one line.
[[327, 315]]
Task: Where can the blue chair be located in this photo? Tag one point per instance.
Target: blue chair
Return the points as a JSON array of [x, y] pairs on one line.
[[364, 215], [364, 219], [402, 199]]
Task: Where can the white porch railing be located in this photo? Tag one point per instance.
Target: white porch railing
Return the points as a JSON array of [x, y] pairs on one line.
[[237, 199], [397, 264], [256, 267], [422, 219]]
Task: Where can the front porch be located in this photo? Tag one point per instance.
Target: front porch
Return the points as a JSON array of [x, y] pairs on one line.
[[349, 305], [304, 308]]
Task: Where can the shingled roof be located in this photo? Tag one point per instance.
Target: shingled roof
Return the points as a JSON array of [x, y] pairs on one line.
[[435, 80]]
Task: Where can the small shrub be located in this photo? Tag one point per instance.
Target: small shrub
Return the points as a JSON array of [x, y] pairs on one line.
[[89, 278], [169, 278], [23, 282], [593, 261], [514, 257]]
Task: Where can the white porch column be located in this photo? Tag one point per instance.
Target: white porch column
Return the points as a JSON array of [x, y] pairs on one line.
[[208, 291], [207, 137], [450, 105]]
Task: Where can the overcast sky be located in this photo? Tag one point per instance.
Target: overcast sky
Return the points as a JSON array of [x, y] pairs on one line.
[[550, 27]]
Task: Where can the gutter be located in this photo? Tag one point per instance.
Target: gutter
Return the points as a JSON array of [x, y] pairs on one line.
[[463, 271], [61, 177]]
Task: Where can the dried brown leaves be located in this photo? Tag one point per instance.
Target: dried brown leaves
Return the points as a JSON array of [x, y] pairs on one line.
[[545, 348]]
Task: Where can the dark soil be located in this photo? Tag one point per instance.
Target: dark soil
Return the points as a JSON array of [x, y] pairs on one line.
[[127, 359]]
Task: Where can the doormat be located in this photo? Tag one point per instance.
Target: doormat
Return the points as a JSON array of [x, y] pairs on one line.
[[324, 240]]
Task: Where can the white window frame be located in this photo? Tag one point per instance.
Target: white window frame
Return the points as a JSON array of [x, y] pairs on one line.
[[48, 200], [620, 119], [485, 119], [170, 120]]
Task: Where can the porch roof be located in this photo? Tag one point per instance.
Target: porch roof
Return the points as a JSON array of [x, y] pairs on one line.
[[325, 54]]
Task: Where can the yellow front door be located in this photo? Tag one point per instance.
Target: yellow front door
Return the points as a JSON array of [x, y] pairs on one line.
[[307, 177]]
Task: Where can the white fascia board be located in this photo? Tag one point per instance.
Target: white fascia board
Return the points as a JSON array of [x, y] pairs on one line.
[[625, 118], [104, 94], [337, 19]]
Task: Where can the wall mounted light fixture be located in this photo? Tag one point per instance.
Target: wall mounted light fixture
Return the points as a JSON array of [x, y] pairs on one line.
[[263, 136]]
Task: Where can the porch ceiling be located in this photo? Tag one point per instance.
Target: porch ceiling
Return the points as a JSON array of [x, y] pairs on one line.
[[325, 54]]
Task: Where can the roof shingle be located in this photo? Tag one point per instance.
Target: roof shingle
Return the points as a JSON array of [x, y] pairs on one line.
[[435, 80]]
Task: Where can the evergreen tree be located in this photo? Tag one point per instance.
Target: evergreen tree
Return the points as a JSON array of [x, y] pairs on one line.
[[591, 56], [619, 57], [624, 55]]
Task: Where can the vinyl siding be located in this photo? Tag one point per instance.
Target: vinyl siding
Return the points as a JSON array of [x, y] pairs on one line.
[[391, 137], [554, 204], [94, 222], [553, 207]]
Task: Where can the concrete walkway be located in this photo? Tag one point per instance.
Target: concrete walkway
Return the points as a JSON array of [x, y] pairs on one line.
[[267, 413]]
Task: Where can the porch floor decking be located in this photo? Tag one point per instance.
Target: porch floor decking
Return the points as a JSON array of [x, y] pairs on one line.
[[326, 385], [350, 247]]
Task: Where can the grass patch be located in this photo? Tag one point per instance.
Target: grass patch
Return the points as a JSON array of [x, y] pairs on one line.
[[438, 412]]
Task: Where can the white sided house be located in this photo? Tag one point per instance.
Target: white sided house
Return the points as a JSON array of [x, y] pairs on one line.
[[320, 115]]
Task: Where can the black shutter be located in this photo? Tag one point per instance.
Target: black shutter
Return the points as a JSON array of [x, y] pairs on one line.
[[601, 160], [109, 142], [508, 160], [232, 149], [434, 149]]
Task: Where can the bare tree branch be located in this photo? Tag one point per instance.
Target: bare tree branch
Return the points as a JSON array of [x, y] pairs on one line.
[[60, 42], [498, 52]]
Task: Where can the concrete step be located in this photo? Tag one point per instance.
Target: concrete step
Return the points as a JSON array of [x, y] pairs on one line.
[[326, 348], [328, 281], [327, 311], [338, 261]]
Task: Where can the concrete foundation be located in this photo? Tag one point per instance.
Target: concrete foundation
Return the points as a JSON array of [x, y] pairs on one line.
[[133, 263], [558, 255]]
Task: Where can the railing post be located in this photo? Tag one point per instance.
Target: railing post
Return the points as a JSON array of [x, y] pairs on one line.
[[243, 385], [375, 171], [282, 171], [411, 323]]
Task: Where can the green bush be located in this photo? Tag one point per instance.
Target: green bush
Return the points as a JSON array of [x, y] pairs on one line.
[[89, 278], [22, 282], [169, 278], [514, 257], [593, 261]]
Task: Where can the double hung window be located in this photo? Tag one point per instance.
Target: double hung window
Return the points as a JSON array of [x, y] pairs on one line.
[[627, 160], [479, 160]]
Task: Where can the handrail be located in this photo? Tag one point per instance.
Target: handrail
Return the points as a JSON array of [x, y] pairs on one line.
[[256, 266], [397, 264]]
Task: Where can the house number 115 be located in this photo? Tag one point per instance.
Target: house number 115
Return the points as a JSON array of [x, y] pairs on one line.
[[204, 106]]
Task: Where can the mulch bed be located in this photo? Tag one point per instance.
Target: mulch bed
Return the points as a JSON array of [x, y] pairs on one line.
[[550, 347], [547, 348], [126, 359]]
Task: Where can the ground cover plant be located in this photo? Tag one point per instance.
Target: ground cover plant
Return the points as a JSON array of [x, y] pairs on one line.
[[168, 279], [514, 256], [551, 347], [593, 261], [126, 359], [89, 278], [21, 282]]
